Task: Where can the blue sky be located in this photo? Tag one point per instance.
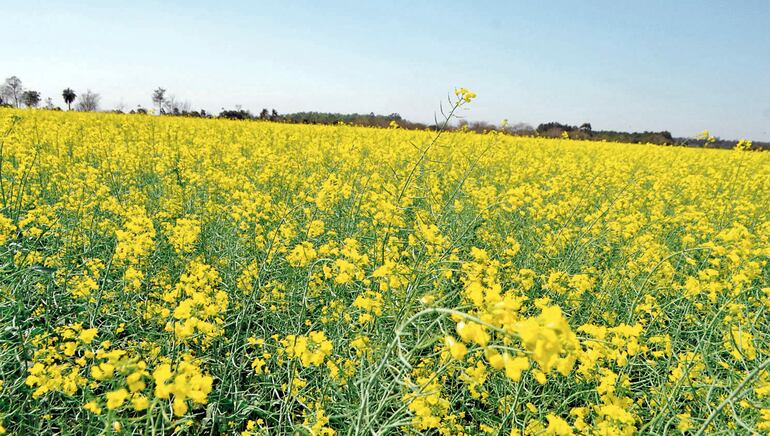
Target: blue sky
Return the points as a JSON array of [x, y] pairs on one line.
[[683, 66]]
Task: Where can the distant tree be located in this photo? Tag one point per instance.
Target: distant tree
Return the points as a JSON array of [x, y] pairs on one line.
[[274, 115], [586, 127], [158, 97], [30, 98], [12, 90], [521, 129], [69, 96], [264, 114], [544, 127], [174, 106], [237, 114], [475, 126], [369, 119], [89, 101], [554, 129]]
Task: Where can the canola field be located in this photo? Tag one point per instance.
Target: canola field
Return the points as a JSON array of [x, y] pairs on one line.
[[193, 276]]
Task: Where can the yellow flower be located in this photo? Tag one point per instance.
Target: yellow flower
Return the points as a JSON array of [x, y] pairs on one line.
[[302, 254], [161, 374], [135, 382], [257, 365], [514, 366], [140, 402], [93, 407], [456, 349], [546, 338], [465, 95], [6, 229], [472, 332], [684, 422], [184, 234], [311, 349], [87, 335], [136, 239], [361, 345], [116, 398], [103, 371], [557, 426]]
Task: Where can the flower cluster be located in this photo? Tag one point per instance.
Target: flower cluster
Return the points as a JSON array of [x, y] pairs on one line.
[[311, 350]]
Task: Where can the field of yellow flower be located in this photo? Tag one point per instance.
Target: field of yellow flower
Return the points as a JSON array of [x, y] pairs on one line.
[[165, 274]]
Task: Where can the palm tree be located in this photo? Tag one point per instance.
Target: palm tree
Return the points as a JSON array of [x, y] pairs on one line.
[[69, 96]]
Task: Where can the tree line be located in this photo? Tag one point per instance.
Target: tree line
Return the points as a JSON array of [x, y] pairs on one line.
[[14, 94], [585, 131]]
